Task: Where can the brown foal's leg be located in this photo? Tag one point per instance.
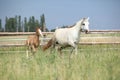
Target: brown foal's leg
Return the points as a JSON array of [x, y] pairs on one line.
[[33, 49], [27, 51]]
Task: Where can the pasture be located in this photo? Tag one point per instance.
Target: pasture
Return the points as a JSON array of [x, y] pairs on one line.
[[93, 62]]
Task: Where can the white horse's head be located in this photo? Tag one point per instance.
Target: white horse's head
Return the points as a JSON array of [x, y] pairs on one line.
[[84, 25]]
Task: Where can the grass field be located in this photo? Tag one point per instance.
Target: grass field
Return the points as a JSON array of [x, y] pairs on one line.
[[93, 62]]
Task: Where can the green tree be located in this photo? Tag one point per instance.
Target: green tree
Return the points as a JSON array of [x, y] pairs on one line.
[[16, 23], [6, 20], [22, 27], [26, 25], [10, 25], [0, 25], [32, 24], [42, 23], [33, 27], [19, 24], [37, 24], [29, 23]]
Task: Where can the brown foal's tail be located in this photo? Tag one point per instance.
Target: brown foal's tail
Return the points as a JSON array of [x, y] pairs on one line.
[[46, 46]]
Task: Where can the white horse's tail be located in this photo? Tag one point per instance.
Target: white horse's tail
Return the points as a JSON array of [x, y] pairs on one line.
[[46, 46]]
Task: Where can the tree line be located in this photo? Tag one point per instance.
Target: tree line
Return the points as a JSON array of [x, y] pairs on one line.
[[16, 24]]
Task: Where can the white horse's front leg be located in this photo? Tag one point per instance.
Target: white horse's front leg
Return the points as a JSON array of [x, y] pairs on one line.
[[74, 47]]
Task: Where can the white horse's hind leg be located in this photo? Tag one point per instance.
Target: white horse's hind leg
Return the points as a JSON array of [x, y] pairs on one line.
[[76, 48], [73, 45], [71, 53]]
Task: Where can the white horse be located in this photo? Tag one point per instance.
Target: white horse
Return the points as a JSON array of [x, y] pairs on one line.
[[66, 37]]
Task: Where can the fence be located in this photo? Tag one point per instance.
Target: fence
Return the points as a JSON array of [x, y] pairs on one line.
[[94, 37], [31, 33]]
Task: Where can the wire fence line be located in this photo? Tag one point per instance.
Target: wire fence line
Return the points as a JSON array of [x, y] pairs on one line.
[[46, 39], [16, 39], [31, 33], [84, 41], [65, 50]]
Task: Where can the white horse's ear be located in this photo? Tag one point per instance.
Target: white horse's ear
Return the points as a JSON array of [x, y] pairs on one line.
[[88, 18]]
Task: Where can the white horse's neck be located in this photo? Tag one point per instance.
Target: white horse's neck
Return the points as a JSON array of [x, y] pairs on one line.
[[77, 26]]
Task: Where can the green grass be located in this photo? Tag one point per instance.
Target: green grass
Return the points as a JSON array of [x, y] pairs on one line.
[[93, 62]]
